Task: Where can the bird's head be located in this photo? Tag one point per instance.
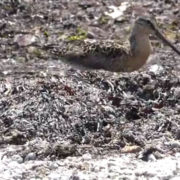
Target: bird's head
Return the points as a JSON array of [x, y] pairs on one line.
[[146, 25]]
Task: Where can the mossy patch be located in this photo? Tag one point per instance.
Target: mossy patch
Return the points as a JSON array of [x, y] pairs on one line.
[[80, 34], [103, 19]]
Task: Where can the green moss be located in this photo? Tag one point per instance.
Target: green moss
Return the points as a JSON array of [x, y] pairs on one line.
[[79, 35], [103, 19], [74, 38], [81, 32], [46, 34]]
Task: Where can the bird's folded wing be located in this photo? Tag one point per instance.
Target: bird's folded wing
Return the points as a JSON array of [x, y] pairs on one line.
[[92, 55]]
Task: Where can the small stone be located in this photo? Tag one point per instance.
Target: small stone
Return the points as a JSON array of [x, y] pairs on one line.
[[156, 69], [24, 40], [53, 166], [177, 93], [87, 156], [90, 35], [173, 144], [17, 158], [151, 157], [108, 109], [30, 156]]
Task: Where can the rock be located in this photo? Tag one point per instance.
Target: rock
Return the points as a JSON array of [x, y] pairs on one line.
[[30, 156], [17, 158], [25, 40], [87, 156], [156, 69]]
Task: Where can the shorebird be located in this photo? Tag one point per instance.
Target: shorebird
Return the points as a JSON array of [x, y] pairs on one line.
[[113, 56]]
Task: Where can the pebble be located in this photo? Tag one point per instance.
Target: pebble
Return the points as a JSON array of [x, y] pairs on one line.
[[177, 92], [87, 156], [30, 156], [156, 69], [151, 157], [17, 158]]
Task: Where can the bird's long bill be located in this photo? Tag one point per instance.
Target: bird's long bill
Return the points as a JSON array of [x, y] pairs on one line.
[[159, 34]]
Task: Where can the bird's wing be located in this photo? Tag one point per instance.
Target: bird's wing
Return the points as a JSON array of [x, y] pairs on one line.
[[95, 48], [93, 55]]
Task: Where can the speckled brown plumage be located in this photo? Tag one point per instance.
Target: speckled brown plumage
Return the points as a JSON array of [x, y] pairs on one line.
[[93, 54], [85, 48]]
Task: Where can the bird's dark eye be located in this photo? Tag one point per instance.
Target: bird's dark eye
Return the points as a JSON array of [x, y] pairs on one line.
[[151, 24]]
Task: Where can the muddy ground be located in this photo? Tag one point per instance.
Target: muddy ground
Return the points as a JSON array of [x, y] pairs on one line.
[[74, 112]]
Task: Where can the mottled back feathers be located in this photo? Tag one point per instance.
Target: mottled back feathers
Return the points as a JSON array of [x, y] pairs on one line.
[[92, 54], [95, 48]]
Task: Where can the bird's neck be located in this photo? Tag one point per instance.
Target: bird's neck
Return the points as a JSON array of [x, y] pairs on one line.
[[140, 44], [140, 49]]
